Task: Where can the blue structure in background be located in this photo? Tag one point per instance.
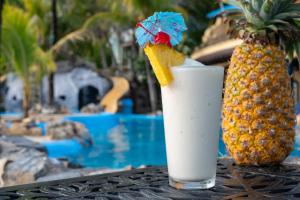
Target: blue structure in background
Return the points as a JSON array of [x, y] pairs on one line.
[[297, 109], [126, 106], [219, 11], [42, 126]]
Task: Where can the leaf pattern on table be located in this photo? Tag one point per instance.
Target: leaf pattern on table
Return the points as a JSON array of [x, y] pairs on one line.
[[233, 182]]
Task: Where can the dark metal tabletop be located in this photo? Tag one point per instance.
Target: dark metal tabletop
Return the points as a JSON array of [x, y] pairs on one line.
[[233, 182]]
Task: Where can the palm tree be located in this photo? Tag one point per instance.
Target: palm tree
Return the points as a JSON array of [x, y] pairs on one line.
[[21, 50], [39, 12], [1, 8], [95, 29], [54, 40]]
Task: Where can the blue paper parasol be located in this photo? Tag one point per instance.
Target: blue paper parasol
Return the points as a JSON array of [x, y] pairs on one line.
[[162, 27]]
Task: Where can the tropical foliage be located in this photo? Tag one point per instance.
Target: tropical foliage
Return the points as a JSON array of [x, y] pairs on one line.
[[93, 19], [39, 12], [20, 49]]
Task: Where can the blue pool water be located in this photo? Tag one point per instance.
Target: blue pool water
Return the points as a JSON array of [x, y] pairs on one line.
[[121, 140]]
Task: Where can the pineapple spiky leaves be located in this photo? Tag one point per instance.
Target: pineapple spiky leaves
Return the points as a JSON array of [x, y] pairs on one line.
[[258, 112]]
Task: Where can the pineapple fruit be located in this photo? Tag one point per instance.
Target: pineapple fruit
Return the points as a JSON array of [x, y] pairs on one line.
[[258, 111], [162, 57]]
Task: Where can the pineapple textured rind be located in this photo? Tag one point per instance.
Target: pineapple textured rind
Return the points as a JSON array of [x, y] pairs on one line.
[[258, 111]]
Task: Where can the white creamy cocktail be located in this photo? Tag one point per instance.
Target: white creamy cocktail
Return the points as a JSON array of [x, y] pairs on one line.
[[191, 108], [191, 95]]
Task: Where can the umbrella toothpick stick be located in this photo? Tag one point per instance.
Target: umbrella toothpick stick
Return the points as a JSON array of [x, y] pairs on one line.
[[140, 25]]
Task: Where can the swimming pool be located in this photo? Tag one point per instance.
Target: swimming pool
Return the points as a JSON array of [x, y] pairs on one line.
[[121, 140]]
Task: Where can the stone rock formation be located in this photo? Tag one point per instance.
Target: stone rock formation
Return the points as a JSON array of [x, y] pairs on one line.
[[68, 130], [25, 127], [91, 109]]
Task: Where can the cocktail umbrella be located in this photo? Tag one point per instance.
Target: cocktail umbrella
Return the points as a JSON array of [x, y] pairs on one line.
[[161, 28], [157, 35]]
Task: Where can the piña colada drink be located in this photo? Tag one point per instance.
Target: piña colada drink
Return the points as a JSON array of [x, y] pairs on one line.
[[191, 95]]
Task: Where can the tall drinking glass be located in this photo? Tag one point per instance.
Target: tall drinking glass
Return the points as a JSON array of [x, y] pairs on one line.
[[191, 108]]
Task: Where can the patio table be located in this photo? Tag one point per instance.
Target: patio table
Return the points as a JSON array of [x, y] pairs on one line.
[[233, 182]]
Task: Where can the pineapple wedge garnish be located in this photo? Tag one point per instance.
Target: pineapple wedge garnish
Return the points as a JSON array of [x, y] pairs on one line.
[[162, 57]]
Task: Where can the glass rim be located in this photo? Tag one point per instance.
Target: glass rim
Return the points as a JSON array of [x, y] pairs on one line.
[[197, 67]]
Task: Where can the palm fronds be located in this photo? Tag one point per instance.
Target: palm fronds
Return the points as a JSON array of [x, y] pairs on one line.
[[94, 28], [20, 48]]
